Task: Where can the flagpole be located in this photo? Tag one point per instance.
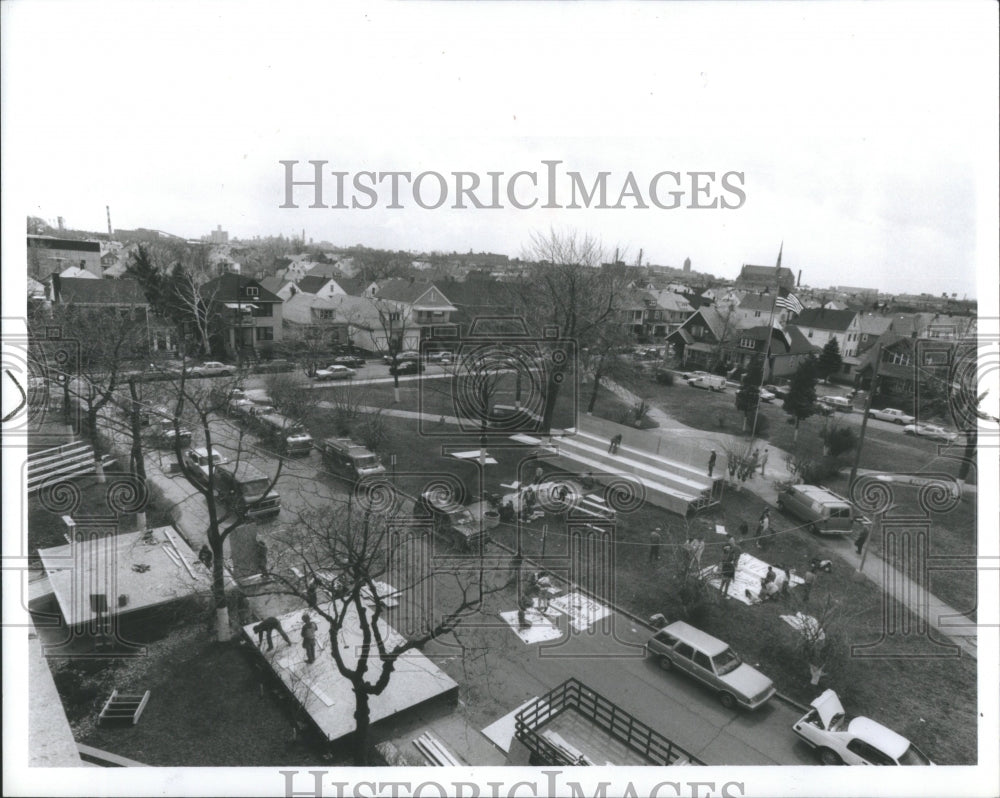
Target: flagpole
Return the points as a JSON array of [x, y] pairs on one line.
[[767, 348]]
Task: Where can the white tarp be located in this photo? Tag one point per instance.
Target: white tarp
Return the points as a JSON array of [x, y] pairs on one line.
[[583, 612], [749, 573]]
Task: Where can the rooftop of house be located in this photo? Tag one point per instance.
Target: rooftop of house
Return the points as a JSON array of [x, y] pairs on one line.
[[231, 287], [88, 291], [825, 319]]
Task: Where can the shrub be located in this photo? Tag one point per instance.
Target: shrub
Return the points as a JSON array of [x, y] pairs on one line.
[[664, 377], [838, 439]]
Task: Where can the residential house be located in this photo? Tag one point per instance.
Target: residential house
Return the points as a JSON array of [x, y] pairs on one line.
[[699, 342], [757, 278], [120, 296], [248, 317], [819, 325], [671, 311], [788, 348], [279, 286], [317, 285], [907, 367], [757, 308], [633, 305], [315, 322], [47, 255], [415, 304]]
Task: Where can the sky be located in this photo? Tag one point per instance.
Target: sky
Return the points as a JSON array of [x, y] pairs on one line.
[[865, 135]]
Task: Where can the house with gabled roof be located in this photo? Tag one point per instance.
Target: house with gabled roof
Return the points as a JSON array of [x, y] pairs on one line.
[[279, 286], [420, 305], [787, 350], [819, 325], [671, 311], [756, 308], [248, 317], [700, 339]]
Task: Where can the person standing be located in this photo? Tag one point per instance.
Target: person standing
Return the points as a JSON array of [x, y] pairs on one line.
[[744, 530], [654, 544], [808, 579], [728, 570], [268, 627], [763, 528], [711, 462], [763, 462], [309, 629], [862, 538], [697, 549], [616, 441]]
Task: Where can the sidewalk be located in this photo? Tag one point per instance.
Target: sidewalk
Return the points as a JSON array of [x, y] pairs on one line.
[[694, 446]]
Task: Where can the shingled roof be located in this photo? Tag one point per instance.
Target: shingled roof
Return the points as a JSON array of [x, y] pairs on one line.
[[83, 291], [825, 319]]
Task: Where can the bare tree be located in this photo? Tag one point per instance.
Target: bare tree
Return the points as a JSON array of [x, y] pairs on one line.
[[336, 561], [567, 289], [391, 335], [109, 340]]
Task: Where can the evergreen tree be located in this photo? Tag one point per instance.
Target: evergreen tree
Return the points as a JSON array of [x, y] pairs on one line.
[[748, 396], [830, 360], [800, 403]]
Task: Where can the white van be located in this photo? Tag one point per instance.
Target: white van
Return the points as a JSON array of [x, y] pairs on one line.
[[711, 382]]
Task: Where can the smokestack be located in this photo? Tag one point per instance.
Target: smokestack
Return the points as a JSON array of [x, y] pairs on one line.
[[798, 282], [61, 223], [107, 209]]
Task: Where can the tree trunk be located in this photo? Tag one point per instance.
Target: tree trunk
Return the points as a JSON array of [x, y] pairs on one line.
[[553, 384], [222, 630], [968, 456], [795, 434], [362, 724], [593, 392]]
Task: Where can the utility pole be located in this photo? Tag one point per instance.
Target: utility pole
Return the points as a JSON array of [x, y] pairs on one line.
[[864, 418]]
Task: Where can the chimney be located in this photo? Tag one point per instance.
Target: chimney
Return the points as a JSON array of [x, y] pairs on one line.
[[798, 282]]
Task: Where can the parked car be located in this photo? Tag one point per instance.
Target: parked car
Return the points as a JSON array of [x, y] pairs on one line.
[[407, 367], [164, 432], [932, 431], [210, 368], [823, 510], [239, 407], [840, 740], [244, 489], [711, 382], [841, 403], [199, 460], [451, 521], [334, 372], [777, 390], [822, 409], [712, 662], [442, 357], [401, 357], [892, 415], [351, 361], [766, 395]]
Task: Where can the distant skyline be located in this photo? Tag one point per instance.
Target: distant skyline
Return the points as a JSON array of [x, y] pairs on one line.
[[864, 134]]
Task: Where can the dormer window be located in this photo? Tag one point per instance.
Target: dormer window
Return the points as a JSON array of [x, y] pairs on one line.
[[252, 291]]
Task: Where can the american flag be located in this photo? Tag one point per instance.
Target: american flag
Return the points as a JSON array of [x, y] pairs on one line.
[[789, 302]]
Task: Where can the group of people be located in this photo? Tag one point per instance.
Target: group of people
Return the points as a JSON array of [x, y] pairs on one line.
[[743, 468], [269, 626]]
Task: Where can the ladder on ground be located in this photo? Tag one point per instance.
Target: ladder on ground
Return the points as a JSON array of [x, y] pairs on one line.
[[62, 462], [123, 710]]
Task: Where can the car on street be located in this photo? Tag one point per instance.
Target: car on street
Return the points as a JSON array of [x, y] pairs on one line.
[[839, 740], [777, 390], [452, 521], [407, 367], [351, 361], [210, 368], [239, 407], [680, 646], [841, 403], [822, 409], [766, 395], [443, 357], [334, 372], [932, 431], [711, 382], [892, 415], [401, 357], [199, 458], [163, 430]]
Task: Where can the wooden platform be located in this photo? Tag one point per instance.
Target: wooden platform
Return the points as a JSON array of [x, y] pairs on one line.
[[146, 571], [327, 696]]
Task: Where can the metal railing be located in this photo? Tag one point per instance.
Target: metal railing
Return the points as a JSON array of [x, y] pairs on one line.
[[616, 722]]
